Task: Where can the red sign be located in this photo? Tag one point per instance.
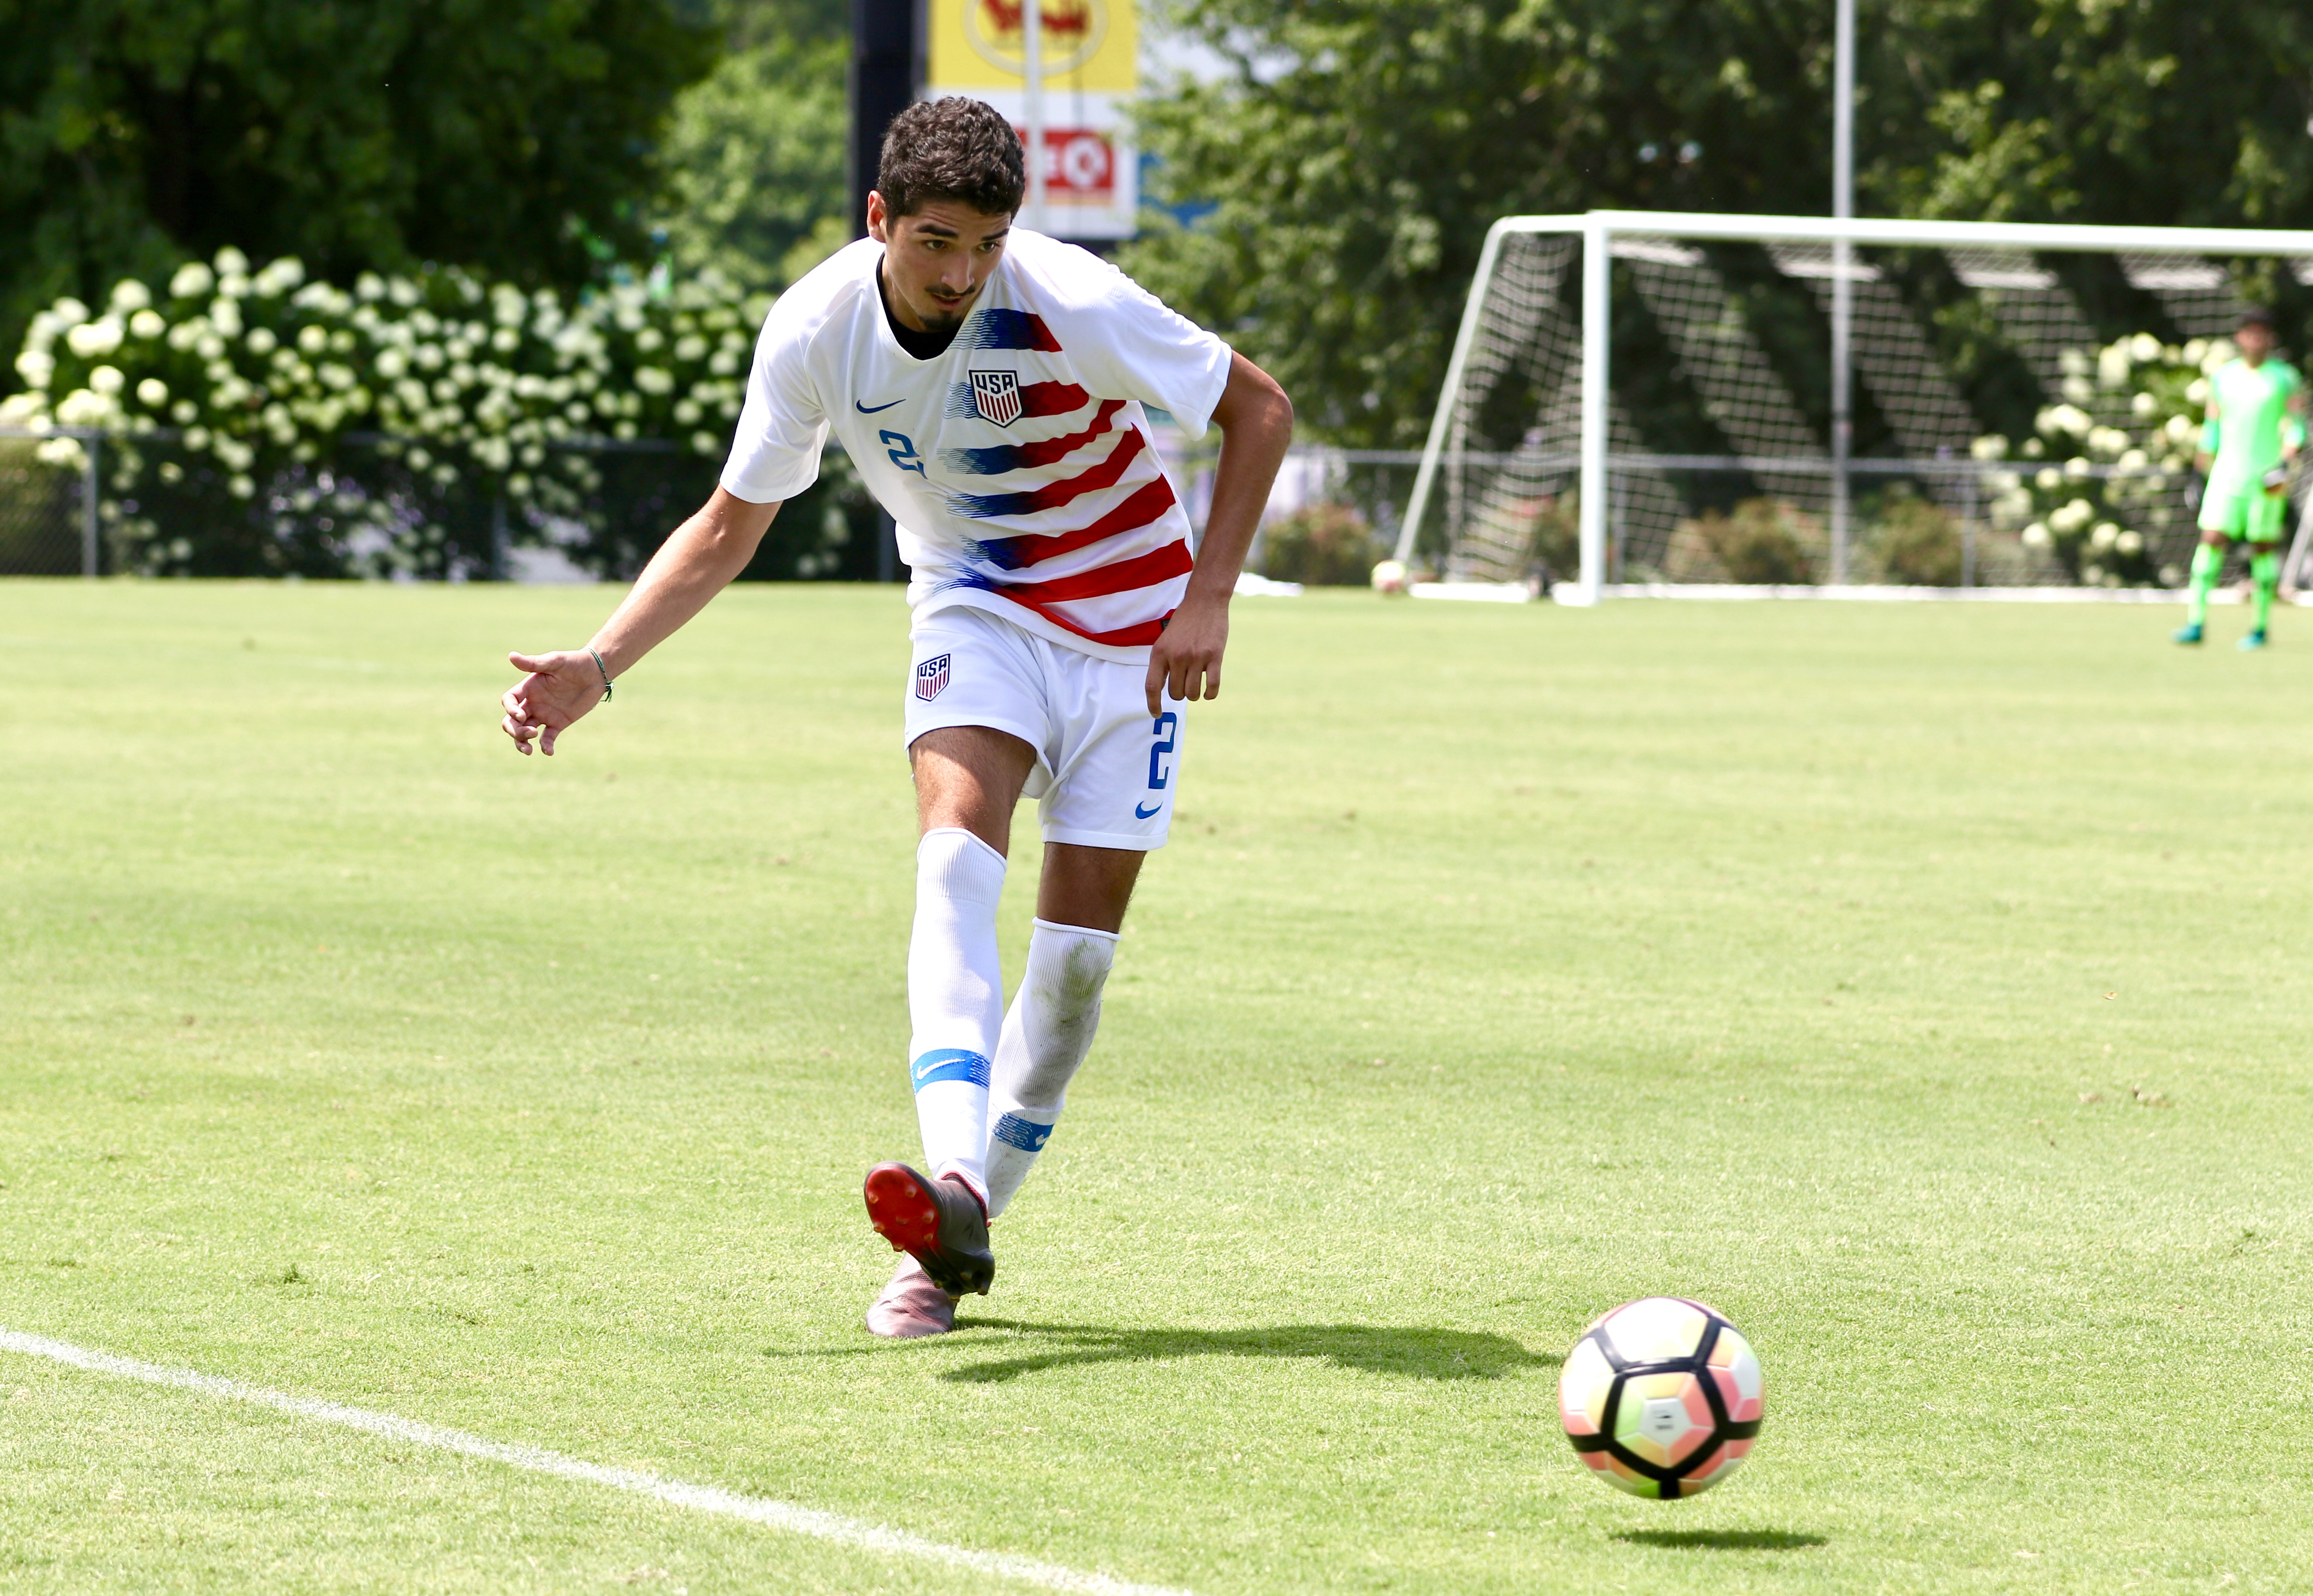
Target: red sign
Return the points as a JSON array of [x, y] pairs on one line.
[[1079, 163]]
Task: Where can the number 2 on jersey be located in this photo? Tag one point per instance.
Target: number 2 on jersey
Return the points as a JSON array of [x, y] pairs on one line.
[[903, 452]]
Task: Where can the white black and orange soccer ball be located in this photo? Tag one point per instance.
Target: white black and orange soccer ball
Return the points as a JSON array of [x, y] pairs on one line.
[[1662, 1398]]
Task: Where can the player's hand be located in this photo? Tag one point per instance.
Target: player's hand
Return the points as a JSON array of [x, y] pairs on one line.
[[558, 689], [1185, 661]]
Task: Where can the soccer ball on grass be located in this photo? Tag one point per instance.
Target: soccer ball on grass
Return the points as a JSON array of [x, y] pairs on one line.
[[1661, 1398], [1390, 576]]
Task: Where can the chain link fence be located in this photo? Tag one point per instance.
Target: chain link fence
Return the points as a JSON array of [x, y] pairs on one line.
[[48, 514]]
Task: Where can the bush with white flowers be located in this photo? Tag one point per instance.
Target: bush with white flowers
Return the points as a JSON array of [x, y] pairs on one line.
[[2106, 526], [329, 430]]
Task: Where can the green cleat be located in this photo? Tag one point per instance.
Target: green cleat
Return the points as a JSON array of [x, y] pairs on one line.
[[2186, 634], [2253, 642]]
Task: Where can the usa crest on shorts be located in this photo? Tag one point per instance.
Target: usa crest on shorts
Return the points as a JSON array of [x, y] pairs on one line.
[[931, 678], [995, 394]]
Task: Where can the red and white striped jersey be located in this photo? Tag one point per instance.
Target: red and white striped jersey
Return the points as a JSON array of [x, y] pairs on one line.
[[1017, 464]]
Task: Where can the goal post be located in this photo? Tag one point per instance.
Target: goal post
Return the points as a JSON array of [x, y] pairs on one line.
[[1642, 401]]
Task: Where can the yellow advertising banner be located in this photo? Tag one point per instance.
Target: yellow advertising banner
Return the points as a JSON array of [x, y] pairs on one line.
[[1092, 71]]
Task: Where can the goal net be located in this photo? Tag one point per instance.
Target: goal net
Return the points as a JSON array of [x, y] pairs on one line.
[[1643, 401]]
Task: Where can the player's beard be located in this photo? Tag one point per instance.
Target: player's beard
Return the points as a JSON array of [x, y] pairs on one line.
[[945, 315]]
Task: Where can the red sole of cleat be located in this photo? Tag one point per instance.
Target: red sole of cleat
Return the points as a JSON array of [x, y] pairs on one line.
[[900, 1210]]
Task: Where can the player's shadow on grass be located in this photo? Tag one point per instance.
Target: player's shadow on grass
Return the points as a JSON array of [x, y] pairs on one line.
[[1724, 1540], [1375, 1349]]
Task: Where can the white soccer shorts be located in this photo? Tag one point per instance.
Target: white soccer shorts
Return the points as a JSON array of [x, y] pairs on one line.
[[1106, 769]]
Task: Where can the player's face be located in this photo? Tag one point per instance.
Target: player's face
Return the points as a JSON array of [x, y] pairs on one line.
[[936, 259], [2256, 342]]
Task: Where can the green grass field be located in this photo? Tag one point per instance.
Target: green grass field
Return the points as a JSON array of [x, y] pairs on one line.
[[1920, 984]]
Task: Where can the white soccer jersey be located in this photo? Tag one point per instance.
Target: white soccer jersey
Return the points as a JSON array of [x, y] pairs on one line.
[[1017, 464]]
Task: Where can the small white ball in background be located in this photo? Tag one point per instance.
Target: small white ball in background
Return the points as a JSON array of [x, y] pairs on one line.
[[1389, 577]]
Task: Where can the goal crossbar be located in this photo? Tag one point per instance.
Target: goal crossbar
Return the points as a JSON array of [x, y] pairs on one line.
[[1597, 230]]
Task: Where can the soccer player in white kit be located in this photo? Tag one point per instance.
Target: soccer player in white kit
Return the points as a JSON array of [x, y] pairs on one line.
[[991, 385]]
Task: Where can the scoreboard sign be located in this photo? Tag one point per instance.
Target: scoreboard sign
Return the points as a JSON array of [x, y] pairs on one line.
[[1091, 72]]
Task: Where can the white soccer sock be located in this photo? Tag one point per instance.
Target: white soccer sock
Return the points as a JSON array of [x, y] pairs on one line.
[[1046, 1036], [955, 998]]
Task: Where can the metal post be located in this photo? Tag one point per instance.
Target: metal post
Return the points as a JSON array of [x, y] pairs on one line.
[[1597, 267], [885, 77], [91, 477], [1031, 21], [1842, 290], [1967, 530]]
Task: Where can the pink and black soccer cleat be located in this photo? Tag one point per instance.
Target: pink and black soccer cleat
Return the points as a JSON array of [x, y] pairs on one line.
[[941, 1224], [911, 1306]]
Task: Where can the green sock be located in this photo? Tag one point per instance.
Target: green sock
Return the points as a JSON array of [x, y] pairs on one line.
[[2264, 571], [2208, 564]]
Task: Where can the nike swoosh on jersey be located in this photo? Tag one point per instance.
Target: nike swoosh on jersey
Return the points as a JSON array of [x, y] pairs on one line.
[[1146, 814], [871, 409]]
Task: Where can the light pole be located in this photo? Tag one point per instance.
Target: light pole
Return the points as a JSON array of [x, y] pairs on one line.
[[1842, 290], [1031, 28]]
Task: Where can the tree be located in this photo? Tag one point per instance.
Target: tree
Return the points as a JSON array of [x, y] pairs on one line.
[[516, 137], [754, 153], [1360, 148]]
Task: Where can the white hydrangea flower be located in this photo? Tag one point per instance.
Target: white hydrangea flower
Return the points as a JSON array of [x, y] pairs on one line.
[[224, 315], [61, 451], [2145, 348], [107, 379], [2075, 514], [81, 408], [2104, 536], [239, 486], [2130, 543], [129, 296], [91, 339], [2035, 535], [312, 340], [261, 340], [183, 412], [705, 444], [2115, 363], [193, 281], [232, 263], [35, 366], [653, 380], [147, 324], [279, 278]]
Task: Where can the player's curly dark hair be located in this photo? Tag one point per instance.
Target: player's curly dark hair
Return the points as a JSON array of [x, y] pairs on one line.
[[954, 148]]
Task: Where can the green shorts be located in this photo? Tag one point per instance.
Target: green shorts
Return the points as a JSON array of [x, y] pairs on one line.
[[2247, 513]]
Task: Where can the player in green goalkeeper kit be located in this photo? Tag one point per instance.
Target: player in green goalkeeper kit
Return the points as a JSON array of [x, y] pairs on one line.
[[2252, 437]]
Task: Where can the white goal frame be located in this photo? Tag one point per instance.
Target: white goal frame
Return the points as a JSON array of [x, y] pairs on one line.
[[1598, 230]]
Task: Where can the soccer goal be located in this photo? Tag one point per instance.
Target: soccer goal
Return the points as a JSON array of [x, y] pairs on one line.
[[1683, 404]]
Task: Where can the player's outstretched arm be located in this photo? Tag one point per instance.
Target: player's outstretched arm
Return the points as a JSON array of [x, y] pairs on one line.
[[1256, 423], [691, 567]]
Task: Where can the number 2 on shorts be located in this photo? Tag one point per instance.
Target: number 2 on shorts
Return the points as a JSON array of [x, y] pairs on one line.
[[1167, 732]]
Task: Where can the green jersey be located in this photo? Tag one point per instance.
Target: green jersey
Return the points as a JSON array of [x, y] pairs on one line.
[[2248, 416]]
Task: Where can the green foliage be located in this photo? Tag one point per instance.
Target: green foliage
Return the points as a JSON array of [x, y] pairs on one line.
[[516, 138], [754, 153], [1760, 540], [1362, 147], [1912, 541], [1324, 545], [263, 424]]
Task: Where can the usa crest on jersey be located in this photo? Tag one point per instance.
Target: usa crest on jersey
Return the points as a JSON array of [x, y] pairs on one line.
[[931, 678], [995, 394]]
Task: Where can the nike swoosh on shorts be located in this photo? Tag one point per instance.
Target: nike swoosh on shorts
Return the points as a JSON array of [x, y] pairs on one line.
[[871, 409], [1148, 814]]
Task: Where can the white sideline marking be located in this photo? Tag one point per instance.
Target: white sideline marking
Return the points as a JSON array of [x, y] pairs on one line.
[[760, 1510]]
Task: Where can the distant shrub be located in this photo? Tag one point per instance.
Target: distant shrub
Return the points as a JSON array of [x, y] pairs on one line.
[[1763, 540], [1914, 540], [1324, 544]]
